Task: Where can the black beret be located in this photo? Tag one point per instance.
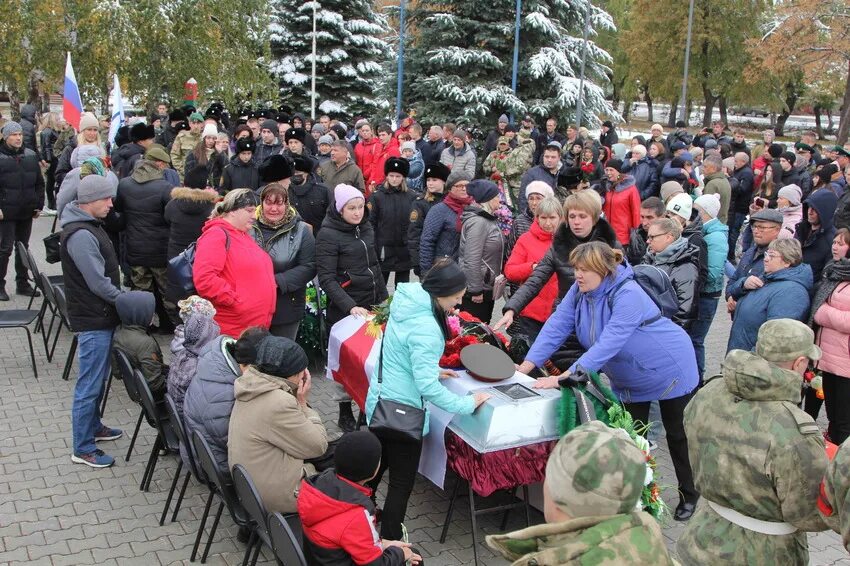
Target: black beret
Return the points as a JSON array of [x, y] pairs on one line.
[[397, 165], [299, 134], [275, 168], [280, 357], [245, 144], [437, 170], [140, 132]]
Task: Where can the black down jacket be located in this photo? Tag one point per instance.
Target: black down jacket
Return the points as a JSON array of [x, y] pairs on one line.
[[185, 214], [389, 212], [239, 175], [293, 252], [141, 202], [347, 265], [311, 199], [21, 183]]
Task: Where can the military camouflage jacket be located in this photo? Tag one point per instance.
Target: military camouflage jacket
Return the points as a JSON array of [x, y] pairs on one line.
[[834, 502], [614, 540], [519, 160], [183, 145], [752, 450]]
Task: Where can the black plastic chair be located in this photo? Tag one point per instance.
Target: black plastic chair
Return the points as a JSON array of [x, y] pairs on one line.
[[32, 265], [157, 416], [220, 484], [25, 259], [286, 536], [49, 303], [63, 313], [250, 499], [20, 319], [125, 370], [179, 427]]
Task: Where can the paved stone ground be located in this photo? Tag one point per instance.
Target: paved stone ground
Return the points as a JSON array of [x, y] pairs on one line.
[[56, 512]]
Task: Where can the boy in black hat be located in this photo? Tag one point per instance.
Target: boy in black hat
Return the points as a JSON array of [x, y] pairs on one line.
[[389, 211], [338, 514], [307, 194], [436, 175], [242, 172]]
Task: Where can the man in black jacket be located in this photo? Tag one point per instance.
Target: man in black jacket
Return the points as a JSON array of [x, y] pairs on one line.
[[21, 200], [307, 195], [142, 137], [141, 207], [548, 136], [28, 124], [92, 285]]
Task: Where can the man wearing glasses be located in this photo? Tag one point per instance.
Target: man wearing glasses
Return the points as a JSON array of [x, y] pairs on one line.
[[765, 224]]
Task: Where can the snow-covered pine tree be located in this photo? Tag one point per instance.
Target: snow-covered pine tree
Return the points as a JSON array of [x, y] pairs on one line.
[[461, 60], [350, 50]]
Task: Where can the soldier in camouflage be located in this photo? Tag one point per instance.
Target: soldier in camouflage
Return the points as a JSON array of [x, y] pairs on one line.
[[185, 143], [594, 480], [757, 458], [834, 498], [518, 162]]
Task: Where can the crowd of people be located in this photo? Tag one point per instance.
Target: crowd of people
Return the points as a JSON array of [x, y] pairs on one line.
[[611, 257]]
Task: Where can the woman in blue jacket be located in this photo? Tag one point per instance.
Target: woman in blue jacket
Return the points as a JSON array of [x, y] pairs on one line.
[[413, 342], [784, 292], [645, 356]]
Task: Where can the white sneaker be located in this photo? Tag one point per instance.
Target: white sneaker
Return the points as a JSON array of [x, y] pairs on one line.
[[48, 212]]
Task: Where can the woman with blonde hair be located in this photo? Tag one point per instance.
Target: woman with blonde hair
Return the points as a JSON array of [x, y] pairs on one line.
[[646, 356], [230, 270]]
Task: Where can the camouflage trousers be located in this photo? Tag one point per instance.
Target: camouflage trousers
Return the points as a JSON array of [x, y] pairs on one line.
[[154, 280]]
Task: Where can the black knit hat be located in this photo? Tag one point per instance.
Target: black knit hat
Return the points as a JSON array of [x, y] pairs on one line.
[[275, 168], [245, 144], [614, 163], [437, 170], [397, 165], [176, 115], [444, 279], [775, 150], [301, 163], [790, 157], [482, 190], [280, 357], [357, 456], [295, 134], [140, 132], [197, 178], [245, 348]]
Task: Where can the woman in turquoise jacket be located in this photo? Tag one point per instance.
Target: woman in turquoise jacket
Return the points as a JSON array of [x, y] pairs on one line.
[[413, 342]]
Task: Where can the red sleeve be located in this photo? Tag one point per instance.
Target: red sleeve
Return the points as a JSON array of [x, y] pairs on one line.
[[361, 541], [518, 268], [634, 201], [210, 257]]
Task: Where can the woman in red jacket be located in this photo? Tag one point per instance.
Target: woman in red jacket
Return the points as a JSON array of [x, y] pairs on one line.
[[527, 253], [622, 201], [231, 270]]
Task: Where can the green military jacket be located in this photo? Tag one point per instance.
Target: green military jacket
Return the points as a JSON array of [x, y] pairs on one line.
[[614, 540], [752, 450], [834, 503], [183, 145]]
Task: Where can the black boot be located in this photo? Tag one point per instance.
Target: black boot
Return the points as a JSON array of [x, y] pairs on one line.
[[4, 296], [346, 420]]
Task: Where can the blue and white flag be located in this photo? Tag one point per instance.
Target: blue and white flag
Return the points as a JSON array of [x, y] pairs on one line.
[[117, 119]]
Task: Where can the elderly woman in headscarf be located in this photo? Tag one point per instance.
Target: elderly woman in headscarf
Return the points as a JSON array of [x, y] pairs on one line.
[[198, 331]]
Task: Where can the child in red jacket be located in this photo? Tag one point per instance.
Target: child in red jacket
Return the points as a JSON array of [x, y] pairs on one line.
[[338, 514]]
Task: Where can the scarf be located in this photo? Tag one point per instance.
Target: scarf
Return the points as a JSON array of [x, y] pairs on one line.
[[457, 205], [834, 273], [290, 214]]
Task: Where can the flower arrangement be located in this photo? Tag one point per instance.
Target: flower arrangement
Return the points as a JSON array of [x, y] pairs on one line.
[[505, 219], [650, 498], [309, 331], [465, 329], [380, 315], [814, 379], [587, 169]]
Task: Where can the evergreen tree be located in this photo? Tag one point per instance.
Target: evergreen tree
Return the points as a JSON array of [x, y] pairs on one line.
[[350, 52], [461, 60]]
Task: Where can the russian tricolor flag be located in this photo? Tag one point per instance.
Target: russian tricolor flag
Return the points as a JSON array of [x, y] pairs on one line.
[[72, 105]]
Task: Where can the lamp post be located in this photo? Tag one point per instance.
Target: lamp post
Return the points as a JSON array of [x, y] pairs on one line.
[[580, 104], [400, 79], [313, 78], [687, 60]]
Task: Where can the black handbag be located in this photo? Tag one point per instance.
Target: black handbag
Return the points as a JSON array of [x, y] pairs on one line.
[[51, 247], [393, 420]]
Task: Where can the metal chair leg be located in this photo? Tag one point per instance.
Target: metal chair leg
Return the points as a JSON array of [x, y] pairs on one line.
[[251, 540], [70, 361], [135, 435], [450, 512], [212, 532], [32, 352], [180, 497], [32, 297], [106, 394], [474, 525], [171, 492], [257, 548], [145, 485], [201, 526]]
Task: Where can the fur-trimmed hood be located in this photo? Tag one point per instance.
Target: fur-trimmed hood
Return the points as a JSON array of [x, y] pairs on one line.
[[194, 195]]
